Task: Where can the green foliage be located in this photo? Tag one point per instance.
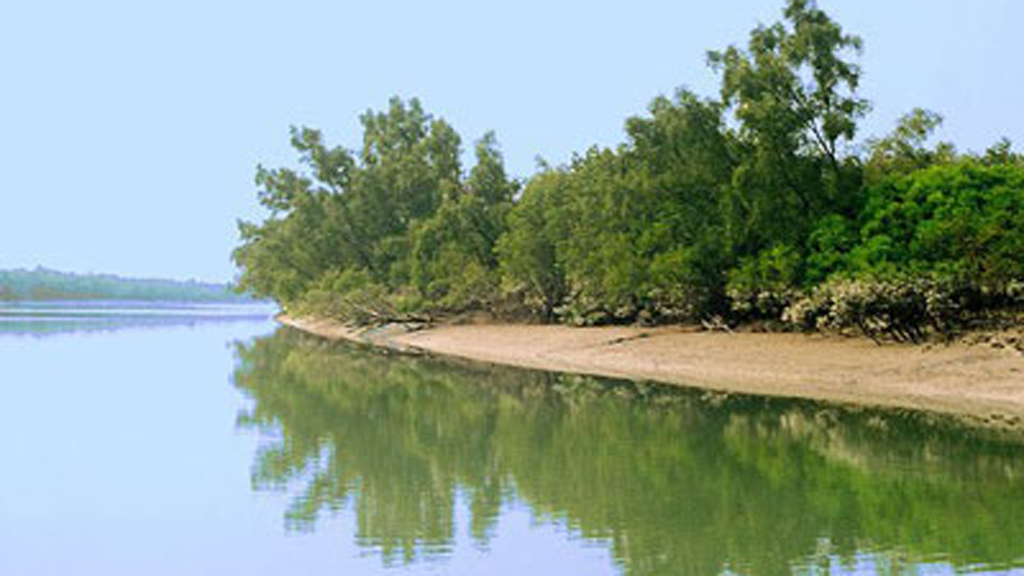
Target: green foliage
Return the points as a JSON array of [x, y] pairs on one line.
[[683, 161], [630, 233], [349, 295], [602, 265], [793, 93], [964, 219], [829, 245], [527, 252], [899, 307], [738, 207], [1001, 153], [935, 248], [398, 215], [45, 284], [488, 180], [453, 254], [689, 282], [903, 151], [764, 285]]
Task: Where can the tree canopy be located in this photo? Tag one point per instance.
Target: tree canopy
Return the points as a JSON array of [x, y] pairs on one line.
[[748, 205]]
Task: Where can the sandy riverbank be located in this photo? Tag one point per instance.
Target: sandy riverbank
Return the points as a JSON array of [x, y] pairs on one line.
[[976, 383]]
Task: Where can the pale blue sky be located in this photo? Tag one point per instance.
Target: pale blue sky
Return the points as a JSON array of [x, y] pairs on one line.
[[129, 131]]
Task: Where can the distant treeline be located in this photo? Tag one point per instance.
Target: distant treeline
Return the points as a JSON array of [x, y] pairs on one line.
[[44, 284], [759, 204]]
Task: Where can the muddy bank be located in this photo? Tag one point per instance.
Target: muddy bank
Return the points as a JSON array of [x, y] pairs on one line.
[[981, 385]]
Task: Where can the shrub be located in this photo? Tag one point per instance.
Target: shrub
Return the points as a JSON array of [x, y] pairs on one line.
[[963, 220], [764, 286], [352, 296], [688, 283], [903, 308]]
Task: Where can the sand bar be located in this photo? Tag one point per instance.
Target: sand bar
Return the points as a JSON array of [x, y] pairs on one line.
[[977, 383]]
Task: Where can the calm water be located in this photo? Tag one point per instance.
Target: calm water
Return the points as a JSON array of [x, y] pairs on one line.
[[207, 441]]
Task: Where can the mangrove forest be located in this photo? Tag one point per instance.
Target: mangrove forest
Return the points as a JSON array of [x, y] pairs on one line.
[[760, 204]]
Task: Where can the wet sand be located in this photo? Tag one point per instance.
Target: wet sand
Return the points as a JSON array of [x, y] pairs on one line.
[[979, 384]]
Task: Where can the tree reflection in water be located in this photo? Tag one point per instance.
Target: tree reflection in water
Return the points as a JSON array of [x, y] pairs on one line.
[[676, 482]]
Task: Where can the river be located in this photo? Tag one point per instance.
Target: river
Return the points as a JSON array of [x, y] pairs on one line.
[[207, 440]]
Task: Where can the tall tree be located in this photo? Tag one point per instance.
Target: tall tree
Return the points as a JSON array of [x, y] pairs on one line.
[[793, 91]]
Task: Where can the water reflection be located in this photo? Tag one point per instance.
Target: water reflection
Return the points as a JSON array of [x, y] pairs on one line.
[[673, 483], [51, 318]]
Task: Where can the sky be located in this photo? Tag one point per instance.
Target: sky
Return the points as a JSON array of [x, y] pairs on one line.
[[130, 131]]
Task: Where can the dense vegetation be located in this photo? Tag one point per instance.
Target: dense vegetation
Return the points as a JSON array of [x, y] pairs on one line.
[[44, 284], [759, 204]]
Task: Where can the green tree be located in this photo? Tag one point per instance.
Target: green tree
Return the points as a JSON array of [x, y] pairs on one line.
[[964, 220], [683, 156], [453, 252], [793, 92], [904, 150], [530, 268], [743, 204]]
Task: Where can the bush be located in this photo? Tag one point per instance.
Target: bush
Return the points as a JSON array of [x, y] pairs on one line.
[[903, 308], [829, 245], [963, 220], [688, 283], [352, 296], [761, 288]]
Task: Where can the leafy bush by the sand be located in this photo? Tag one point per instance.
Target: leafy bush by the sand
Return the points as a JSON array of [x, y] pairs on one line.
[[762, 287], [905, 309]]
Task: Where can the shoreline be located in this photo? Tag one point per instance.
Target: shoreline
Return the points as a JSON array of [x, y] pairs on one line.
[[979, 385]]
